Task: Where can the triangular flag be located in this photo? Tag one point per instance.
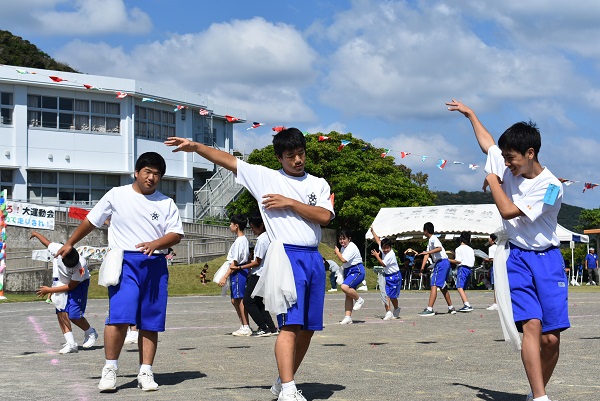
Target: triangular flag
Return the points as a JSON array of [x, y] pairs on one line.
[[203, 112], [441, 163], [78, 213], [56, 79], [343, 145], [22, 71], [385, 152], [149, 99], [323, 138], [404, 154], [589, 185], [306, 133], [90, 87], [232, 119], [423, 158], [279, 128], [254, 125], [473, 166], [121, 95], [566, 182], [178, 107]]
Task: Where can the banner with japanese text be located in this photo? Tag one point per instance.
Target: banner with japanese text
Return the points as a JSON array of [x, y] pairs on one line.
[[30, 215]]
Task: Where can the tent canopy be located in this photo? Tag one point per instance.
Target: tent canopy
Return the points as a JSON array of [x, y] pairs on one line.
[[406, 223]]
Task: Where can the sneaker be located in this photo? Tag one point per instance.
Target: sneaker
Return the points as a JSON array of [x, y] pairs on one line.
[[48, 301], [332, 290], [346, 320], [529, 397], [451, 311], [262, 333], [588, 283], [276, 387], [108, 382], [132, 337], [297, 396], [492, 307], [388, 315], [90, 340], [396, 313], [275, 333], [427, 312], [362, 288], [466, 309], [243, 332], [358, 304], [146, 381], [69, 349]]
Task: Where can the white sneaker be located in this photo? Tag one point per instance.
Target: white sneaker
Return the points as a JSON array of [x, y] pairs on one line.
[[132, 337], [332, 290], [108, 382], [276, 387], [146, 381], [396, 313], [588, 283], [492, 307], [358, 304], [90, 340], [242, 332], [346, 320], [388, 315], [362, 288], [69, 349], [297, 396]]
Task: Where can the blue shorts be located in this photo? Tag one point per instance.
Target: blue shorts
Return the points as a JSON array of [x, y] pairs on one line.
[[77, 300], [393, 282], [309, 276], [462, 276], [237, 283], [439, 273], [354, 275], [140, 298], [538, 287]]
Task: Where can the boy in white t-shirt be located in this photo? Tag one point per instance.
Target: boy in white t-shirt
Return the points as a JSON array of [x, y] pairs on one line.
[[354, 274], [70, 275], [464, 258], [528, 197], [294, 205], [238, 254], [490, 259], [391, 272], [439, 272]]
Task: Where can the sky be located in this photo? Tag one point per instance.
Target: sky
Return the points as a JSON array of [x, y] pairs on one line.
[[379, 69]]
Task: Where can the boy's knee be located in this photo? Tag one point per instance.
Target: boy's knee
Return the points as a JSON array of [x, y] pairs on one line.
[[551, 340]]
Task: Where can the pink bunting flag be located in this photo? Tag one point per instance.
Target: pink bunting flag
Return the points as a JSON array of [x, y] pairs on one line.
[[203, 112], [232, 119], [404, 154], [254, 126], [441, 163], [121, 95], [323, 138], [56, 79]]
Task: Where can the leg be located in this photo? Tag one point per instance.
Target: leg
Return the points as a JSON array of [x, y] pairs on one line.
[[462, 294], [147, 344], [64, 322], [394, 302], [446, 295], [550, 351], [531, 356], [82, 323], [432, 296], [332, 280], [387, 304], [238, 304], [114, 337], [285, 349], [252, 305]]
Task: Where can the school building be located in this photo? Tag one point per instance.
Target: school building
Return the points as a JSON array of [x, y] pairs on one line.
[[67, 138]]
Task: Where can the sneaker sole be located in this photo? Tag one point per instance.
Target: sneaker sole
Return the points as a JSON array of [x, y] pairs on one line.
[[428, 315], [274, 391], [147, 389]]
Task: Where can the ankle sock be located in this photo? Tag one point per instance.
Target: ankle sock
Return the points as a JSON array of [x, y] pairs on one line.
[[288, 388], [112, 362], [145, 368], [69, 338]]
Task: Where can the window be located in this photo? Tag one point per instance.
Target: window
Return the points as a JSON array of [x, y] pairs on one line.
[[154, 124], [210, 138], [73, 114], [69, 188], [168, 188], [6, 182], [6, 108]]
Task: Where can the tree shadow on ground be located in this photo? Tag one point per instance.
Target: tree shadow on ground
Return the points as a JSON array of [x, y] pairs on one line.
[[492, 395], [312, 391]]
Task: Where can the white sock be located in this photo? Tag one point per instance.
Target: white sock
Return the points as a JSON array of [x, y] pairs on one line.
[[69, 338], [542, 398], [467, 304], [145, 368], [450, 307], [112, 362], [430, 308], [245, 327], [288, 388]]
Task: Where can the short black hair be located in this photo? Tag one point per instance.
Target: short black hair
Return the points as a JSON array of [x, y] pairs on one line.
[[256, 220], [151, 159], [520, 137], [465, 237], [386, 242], [345, 234], [494, 237], [429, 228], [288, 139], [240, 220], [71, 259]]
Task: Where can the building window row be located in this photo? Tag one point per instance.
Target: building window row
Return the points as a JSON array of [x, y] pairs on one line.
[[6, 108], [154, 124], [51, 187], [6, 182], [73, 114]]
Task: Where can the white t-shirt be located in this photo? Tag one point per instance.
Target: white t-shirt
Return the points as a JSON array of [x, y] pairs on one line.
[[135, 218], [434, 242], [351, 254], [66, 274], [284, 224], [536, 230], [465, 255], [239, 251], [492, 251], [390, 261], [260, 251]]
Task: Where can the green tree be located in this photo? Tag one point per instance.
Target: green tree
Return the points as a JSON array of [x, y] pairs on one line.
[[589, 218], [362, 180], [16, 51]]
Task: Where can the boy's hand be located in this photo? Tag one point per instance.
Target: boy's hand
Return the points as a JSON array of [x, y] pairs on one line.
[[183, 145], [146, 248], [457, 105], [43, 290], [64, 250], [223, 282], [486, 182], [34, 234], [375, 253], [275, 201]]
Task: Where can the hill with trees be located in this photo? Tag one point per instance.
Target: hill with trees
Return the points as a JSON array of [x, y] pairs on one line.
[[17, 51]]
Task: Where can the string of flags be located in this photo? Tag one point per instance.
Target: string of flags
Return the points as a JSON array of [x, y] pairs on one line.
[[441, 163]]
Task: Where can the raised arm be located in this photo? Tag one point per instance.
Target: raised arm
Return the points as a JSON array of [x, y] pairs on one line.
[[45, 241], [80, 232], [375, 236], [216, 156], [484, 138]]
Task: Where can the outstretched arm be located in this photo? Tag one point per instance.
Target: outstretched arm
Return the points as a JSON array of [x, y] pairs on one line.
[[375, 236], [316, 214], [45, 241], [484, 138], [80, 232], [216, 156]]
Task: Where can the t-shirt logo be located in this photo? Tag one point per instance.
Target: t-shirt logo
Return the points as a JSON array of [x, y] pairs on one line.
[[154, 216], [312, 199]]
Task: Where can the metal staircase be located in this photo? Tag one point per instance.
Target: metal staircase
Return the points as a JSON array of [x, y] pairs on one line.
[[212, 199]]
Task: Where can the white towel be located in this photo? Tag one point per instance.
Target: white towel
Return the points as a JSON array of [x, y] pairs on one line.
[[111, 268], [43, 255], [219, 275], [502, 289], [276, 283]]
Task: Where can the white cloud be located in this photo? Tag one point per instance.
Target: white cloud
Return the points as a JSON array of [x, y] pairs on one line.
[[70, 18], [247, 141]]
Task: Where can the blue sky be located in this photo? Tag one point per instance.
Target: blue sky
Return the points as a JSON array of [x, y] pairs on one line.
[[379, 69]]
